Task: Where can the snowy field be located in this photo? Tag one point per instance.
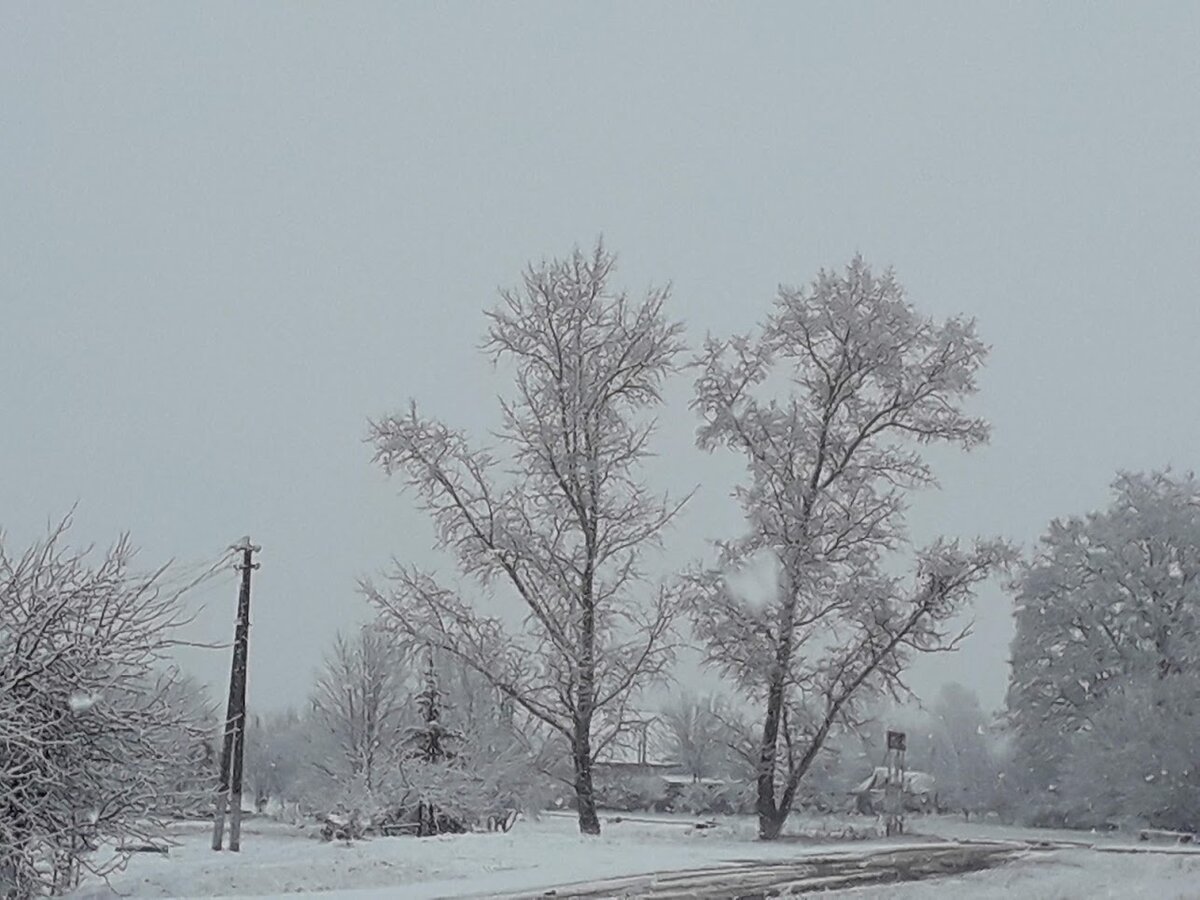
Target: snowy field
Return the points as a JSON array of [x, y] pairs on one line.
[[280, 860], [277, 859]]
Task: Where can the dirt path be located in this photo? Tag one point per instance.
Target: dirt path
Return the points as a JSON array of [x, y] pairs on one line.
[[762, 880]]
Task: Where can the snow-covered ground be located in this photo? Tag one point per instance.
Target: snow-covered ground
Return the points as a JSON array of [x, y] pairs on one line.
[[279, 860], [1061, 875]]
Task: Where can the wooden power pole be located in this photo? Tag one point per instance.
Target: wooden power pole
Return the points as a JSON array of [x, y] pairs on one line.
[[229, 791]]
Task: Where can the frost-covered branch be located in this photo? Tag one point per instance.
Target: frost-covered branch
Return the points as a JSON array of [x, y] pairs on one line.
[[830, 404], [557, 517], [99, 734]]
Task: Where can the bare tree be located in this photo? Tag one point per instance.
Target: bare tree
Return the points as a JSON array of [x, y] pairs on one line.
[[276, 755], [969, 766], [561, 517], [360, 701], [700, 734], [865, 380], [97, 731]]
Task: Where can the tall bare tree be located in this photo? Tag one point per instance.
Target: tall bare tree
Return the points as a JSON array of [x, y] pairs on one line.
[[829, 404], [559, 515]]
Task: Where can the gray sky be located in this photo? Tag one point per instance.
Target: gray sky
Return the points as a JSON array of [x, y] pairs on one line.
[[231, 233]]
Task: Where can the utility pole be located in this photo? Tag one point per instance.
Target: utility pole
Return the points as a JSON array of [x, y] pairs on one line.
[[893, 790], [229, 791]]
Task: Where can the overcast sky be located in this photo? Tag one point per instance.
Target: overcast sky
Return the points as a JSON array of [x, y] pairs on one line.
[[230, 233]]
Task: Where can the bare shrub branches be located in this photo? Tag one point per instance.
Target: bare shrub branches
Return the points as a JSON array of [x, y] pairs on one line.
[[98, 733]]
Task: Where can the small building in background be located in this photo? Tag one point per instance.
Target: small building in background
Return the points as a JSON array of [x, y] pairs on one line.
[[920, 792]]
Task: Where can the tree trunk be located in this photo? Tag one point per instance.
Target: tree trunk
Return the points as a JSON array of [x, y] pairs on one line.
[[581, 743], [770, 826], [585, 795], [771, 814], [768, 812]]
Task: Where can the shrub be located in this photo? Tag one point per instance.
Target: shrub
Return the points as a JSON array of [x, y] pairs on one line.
[[632, 793]]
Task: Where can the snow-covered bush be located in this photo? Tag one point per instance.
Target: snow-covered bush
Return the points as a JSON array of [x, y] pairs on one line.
[[631, 793], [703, 734], [98, 737], [700, 798], [388, 733], [474, 785], [462, 757]]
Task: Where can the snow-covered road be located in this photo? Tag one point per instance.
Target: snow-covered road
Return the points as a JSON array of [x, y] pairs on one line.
[[808, 873], [648, 858]]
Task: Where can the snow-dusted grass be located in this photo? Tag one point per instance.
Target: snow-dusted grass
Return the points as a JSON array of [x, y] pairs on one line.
[[953, 827], [280, 860]]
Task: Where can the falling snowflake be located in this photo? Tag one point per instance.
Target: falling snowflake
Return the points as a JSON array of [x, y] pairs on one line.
[[81, 702]]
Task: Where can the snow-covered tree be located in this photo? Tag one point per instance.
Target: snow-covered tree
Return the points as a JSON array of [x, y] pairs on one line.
[[830, 403], [1137, 758], [1108, 598], [558, 515], [277, 756], [702, 734], [360, 705], [99, 736], [965, 759], [477, 709], [465, 757], [477, 782], [431, 739]]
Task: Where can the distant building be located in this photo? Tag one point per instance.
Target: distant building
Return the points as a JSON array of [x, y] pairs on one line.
[[920, 792], [643, 750]]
